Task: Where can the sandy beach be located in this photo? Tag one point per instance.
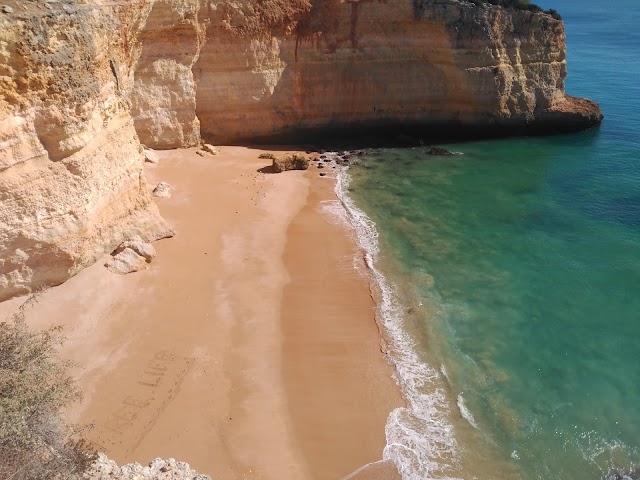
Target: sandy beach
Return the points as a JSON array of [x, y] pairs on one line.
[[249, 348]]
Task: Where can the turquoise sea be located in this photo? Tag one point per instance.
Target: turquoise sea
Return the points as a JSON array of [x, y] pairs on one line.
[[511, 290]]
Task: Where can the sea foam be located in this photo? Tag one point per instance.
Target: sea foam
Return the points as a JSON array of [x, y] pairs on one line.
[[420, 438]]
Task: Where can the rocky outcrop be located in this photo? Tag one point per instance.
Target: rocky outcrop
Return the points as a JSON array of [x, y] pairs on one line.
[[158, 469], [71, 180]]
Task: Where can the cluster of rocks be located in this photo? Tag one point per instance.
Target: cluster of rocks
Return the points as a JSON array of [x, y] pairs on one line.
[[131, 256], [105, 469], [347, 158]]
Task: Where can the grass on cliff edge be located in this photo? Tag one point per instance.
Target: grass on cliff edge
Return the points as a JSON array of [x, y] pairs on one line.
[[35, 388]]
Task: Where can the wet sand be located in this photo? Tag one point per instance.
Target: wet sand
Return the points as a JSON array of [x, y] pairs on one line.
[[249, 348]]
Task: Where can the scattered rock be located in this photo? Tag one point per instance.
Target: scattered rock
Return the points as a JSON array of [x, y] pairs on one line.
[[267, 155], [293, 161], [150, 156], [322, 174], [437, 151], [200, 152], [320, 165], [48, 6], [208, 148], [162, 190], [7, 9]]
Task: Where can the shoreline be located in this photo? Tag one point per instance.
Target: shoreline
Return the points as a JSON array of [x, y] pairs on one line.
[[213, 355]]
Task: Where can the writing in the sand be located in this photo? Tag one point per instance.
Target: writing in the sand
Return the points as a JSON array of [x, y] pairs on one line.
[[156, 368], [131, 406], [129, 410]]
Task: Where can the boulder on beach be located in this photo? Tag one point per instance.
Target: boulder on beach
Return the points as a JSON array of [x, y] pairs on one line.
[[292, 161], [127, 261], [150, 156], [162, 190], [207, 147], [132, 255], [142, 248]]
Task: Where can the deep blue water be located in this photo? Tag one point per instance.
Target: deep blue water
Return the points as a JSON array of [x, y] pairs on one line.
[[524, 257]]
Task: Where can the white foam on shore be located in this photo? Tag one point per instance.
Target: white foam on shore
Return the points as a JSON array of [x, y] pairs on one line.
[[420, 438]]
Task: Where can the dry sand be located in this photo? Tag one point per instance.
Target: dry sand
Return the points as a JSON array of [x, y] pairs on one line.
[[249, 349]]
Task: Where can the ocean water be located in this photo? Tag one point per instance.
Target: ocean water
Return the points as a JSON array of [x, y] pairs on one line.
[[509, 280]]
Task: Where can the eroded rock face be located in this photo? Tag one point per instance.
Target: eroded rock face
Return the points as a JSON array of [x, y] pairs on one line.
[[439, 67], [442, 66], [71, 182]]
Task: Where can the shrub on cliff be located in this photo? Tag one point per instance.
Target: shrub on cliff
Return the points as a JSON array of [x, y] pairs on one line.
[[35, 443]]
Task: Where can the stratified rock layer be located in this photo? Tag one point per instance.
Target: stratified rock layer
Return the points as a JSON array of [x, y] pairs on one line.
[[82, 85], [437, 67]]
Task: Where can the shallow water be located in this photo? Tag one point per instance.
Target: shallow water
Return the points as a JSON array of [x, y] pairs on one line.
[[517, 269]]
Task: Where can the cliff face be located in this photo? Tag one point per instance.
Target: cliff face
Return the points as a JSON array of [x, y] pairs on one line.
[[71, 182], [164, 94], [441, 66], [82, 85]]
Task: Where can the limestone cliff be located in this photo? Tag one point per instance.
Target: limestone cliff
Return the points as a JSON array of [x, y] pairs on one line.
[[83, 84], [434, 66], [71, 181], [164, 95]]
